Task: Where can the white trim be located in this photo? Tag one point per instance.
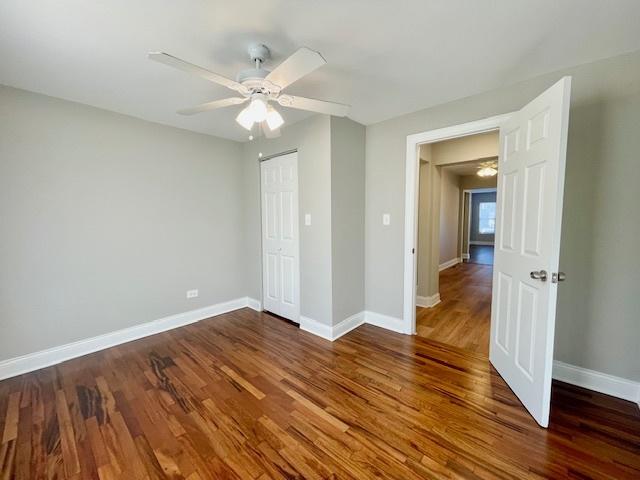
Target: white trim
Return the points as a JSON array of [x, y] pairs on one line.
[[385, 321], [412, 163], [480, 242], [348, 324], [254, 304], [428, 302], [481, 190], [52, 356], [466, 256], [449, 264], [598, 381], [334, 332], [313, 326]]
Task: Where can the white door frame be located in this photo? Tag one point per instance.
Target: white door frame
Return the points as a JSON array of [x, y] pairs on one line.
[[471, 191], [412, 166]]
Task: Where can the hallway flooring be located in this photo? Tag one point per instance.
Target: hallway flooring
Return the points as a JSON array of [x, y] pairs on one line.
[[463, 317], [481, 254]]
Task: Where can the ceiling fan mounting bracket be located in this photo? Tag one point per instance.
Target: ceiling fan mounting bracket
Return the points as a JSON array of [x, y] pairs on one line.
[[259, 52]]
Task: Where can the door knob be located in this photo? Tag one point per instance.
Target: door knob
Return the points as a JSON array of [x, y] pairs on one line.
[[540, 275], [558, 277]]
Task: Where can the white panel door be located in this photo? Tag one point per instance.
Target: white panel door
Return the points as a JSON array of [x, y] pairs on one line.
[[280, 238], [531, 164]]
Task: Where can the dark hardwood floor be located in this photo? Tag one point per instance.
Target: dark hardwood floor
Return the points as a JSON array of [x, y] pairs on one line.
[[244, 395], [482, 254], [463, 316]]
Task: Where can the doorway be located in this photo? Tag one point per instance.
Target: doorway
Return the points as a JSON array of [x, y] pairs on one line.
[[280, 236], [464, 171], [531, 160], [478, 225]]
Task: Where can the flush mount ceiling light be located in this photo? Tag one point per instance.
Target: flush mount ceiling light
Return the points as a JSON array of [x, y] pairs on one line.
[[487, 172], [487, 169], [259, 86]]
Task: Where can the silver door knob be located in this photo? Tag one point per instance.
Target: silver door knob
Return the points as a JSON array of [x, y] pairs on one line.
[[540, 275], [558, 277]]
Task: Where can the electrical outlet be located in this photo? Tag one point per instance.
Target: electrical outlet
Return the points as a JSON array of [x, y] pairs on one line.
[[307, 219], [192, 293], [386, 219]]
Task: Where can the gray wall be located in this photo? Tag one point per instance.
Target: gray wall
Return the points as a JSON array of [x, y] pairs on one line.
[[312, 138], [475, 235], [597, 321], [347, 217], [107, 220], [449, 215]]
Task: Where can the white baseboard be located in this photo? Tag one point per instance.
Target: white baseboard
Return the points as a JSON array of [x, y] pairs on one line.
[[479, 242], [52, 356], [348, 324], [385, 321], [449, 264], [313, 326], [334, 332], [465, 256], [254, 304], [600, 382], [428, 302]]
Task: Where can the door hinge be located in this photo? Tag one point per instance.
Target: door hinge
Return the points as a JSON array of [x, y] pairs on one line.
[[413, 250]]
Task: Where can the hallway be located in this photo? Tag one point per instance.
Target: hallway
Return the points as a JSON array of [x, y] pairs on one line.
[[463, 317]]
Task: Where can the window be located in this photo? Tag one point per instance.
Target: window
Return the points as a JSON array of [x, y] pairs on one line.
[[487, 223]]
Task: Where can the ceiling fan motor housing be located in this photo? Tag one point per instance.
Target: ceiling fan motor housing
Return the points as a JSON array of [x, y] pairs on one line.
[[254, 78], [252, 75]]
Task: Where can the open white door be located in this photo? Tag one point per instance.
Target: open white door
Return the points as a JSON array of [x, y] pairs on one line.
[[531, 164], [280, 246]]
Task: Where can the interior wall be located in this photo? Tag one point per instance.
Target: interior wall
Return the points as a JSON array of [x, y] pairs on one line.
[[312, 139], [463, 149], [449, 216], [423, 276], [347, 217], [599, 241], [428, 250], [475, 235], [107, 220]]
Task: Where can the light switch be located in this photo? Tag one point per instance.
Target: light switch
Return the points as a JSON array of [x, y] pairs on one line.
[[386, 219], [307, 219]]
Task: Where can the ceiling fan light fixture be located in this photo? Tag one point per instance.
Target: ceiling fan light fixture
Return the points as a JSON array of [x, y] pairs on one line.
[[258, 108], [487, 172], [245, 119], [274, 119]]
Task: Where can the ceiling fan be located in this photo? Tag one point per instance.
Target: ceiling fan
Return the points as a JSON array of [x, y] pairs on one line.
[[259, 87]]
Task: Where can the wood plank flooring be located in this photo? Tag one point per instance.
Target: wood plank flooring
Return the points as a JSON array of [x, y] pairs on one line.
[[463, 316], [482, 254], [244, 395]]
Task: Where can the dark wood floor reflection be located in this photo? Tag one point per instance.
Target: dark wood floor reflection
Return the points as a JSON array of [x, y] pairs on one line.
[[482, 254], [463, 316], [246, 396]]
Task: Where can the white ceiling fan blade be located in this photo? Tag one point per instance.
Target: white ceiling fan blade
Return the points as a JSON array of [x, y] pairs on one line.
[[268, 133], [175, 62], [301, 63], [227, 102], [312, 105]]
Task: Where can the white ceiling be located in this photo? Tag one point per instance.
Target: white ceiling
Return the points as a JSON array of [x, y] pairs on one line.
[[385, 58]]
